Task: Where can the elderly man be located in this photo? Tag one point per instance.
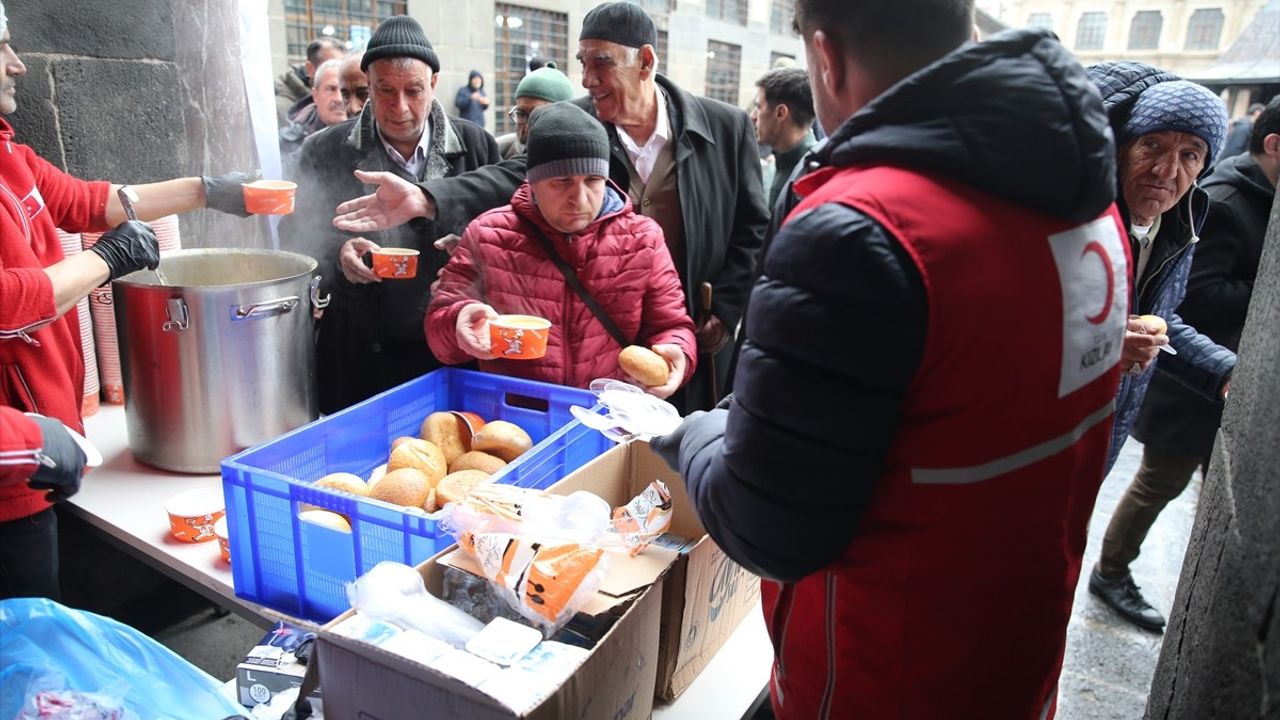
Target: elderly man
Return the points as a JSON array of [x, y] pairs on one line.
[[690, 163], [322, 108], [353, 84], [783, 116], [1169, 133], [39, 329], [371, 336], [295, 83], [918, 506], [543, 86]]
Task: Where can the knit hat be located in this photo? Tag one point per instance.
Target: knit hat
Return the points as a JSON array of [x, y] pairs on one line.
[[619, 22], [1180, 106], [564, 141], [399, 36], [547, 84]]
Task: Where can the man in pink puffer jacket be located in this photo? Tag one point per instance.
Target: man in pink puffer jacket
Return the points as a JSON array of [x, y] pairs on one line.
[[501, 266]]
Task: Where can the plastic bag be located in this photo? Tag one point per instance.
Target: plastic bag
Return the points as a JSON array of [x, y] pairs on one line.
[[47, 698], [99, 655], [394, 593]]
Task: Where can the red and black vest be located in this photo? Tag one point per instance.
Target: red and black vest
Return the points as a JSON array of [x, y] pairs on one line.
[[952, 600]]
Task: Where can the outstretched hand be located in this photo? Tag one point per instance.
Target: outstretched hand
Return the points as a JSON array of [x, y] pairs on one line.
[[394, 203]]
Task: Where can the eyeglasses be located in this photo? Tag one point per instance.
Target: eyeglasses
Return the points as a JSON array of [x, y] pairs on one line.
[[518, 116]]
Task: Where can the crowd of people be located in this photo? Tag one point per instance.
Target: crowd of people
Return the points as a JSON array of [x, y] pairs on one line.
[[907, 363]]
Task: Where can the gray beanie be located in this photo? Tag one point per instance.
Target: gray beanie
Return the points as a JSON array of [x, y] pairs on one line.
[[565, 141]]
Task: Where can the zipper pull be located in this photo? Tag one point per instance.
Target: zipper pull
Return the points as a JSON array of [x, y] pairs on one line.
[[44, 460]]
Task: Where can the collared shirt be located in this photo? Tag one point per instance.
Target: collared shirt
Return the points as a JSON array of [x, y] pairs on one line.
[[412, 165], [1144, 241], [643, 157]]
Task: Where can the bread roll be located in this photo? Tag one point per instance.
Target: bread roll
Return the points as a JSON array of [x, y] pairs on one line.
[[400, 441], [448, 432], [326, 518], [476, 460], [422, 455], [431, 505], [376, 474], [454, 486], [644, 365], [1157, 323], [501, 438], [346, 482], [407, 486]]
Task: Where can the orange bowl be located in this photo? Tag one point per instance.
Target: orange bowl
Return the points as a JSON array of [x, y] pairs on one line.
[[519, 337], [269, 197], [395, 263], [192, 514]]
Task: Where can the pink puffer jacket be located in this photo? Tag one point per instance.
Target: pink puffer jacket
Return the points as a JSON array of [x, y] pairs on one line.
[[621, 259]]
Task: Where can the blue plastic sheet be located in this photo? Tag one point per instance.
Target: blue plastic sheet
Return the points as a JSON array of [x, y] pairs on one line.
[[94, 653]]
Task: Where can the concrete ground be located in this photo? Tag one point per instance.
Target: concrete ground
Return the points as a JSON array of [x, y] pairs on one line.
[[1109, 663]]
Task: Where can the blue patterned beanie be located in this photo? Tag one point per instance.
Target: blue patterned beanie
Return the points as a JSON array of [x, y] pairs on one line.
[[1180, 106]]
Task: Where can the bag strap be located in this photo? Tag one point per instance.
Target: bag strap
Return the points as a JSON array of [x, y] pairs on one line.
[[574, 282]]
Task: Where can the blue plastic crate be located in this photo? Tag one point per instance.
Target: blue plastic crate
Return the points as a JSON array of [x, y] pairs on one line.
[[301, 568]]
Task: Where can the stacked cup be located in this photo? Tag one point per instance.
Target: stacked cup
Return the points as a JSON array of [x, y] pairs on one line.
[[71, 245]]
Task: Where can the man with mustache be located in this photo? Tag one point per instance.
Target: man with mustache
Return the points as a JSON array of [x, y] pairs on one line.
[[322, 108]]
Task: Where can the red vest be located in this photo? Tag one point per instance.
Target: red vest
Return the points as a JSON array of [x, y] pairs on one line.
[[953, 598]]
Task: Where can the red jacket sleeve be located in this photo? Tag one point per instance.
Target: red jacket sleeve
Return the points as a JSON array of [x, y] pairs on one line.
[[27, 294], [460, 284], [19, 439], [75, 205], [664, 319]]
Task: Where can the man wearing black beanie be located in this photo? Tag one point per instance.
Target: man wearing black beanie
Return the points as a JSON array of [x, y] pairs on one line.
[[371, 336], [690, 163]]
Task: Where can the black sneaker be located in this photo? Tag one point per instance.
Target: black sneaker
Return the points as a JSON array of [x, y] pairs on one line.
[[1122, 595]]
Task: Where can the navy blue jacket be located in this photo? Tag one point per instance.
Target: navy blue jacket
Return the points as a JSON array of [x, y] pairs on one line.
[[993, 115], [1201, 365]]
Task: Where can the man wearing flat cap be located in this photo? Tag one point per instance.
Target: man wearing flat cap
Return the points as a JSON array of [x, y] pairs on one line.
[[371, 336], [690, 163]]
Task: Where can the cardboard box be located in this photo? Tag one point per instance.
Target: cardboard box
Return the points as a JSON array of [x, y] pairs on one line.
[[615, 682], [270, 667], [704, 595]]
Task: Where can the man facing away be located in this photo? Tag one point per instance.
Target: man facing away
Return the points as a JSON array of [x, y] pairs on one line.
[[911, 482]]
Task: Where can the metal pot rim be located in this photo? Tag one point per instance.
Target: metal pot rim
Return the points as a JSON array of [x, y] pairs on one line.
[[189, 252]]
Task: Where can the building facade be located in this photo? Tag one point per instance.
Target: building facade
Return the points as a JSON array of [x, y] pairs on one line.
[[717, 48]]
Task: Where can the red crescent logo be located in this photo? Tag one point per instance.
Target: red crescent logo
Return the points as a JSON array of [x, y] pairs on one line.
[[1096, 248]]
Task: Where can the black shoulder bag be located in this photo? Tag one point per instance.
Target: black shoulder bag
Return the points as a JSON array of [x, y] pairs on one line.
[[572, 278]]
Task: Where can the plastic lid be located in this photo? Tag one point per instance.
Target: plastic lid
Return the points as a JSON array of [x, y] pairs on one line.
[[630, 412]]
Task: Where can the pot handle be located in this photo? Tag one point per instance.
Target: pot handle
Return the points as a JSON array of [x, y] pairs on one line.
[[176, 311], [318, 302], [264, 309]]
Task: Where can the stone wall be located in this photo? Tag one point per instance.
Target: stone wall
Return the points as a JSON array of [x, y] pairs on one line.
[[1221, 652], [137, 92]]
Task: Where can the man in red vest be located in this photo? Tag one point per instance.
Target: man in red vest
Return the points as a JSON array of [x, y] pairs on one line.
[[923, 401]]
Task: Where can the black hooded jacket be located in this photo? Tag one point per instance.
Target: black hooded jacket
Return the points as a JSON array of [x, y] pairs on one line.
[[781, 478]]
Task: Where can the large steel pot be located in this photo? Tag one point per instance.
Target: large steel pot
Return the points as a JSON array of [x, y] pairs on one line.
[[219, 357]]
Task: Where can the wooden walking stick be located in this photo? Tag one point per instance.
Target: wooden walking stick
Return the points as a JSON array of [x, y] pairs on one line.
[[705, 295]]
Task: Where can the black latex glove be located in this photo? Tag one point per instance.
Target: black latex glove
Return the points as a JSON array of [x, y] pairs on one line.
[[62, 461], [128, 247], [224, 194], [668, 446]]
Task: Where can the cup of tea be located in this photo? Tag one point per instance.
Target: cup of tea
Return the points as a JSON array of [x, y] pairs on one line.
[[192, 514], [269, 197], [519, 337], [395, 263]]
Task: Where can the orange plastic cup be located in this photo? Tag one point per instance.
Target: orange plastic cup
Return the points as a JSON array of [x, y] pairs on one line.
[[224, 540], [519, 337], [269, 197], [395, 263], [192, 514]]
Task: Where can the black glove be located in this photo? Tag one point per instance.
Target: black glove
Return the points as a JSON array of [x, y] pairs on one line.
[[62, 461], [130, 246], [225, 194], [668, 446]]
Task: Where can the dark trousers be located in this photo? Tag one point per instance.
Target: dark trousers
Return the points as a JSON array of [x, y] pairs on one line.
[[29, 557], [1161, 477]]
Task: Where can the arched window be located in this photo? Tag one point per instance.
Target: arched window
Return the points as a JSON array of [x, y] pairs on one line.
[[1204, 29], [1091, 31], [1144, 33]]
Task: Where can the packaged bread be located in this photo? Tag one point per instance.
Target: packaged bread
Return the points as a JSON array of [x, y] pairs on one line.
[[644, 365], [406, 486], [476, 460], [455, 486], [503, 439], [421, 455]]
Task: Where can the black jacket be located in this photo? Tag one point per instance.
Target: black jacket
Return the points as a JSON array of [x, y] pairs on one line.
[[721, 200], [372, 336], [1218, 291], [781, 478]]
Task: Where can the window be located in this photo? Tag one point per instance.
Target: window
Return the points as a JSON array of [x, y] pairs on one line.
[[662, 7], [661, 49], [782, 14], [1205, 29], [522, 33], [723, 61], [350, 21], [1091, 32], [734, 11], [1040, 21], [1144, 33]]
